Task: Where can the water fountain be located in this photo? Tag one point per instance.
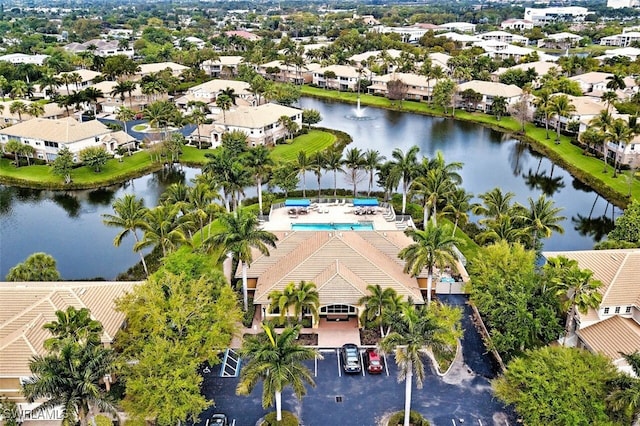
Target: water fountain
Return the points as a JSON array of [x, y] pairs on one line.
[[358, 114]]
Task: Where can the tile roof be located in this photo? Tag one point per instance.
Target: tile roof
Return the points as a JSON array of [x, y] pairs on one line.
[[50, 110], [491, 88], [27, 306], [65, 130], [341, 264], [258, 116], [214, 86], [160, 66], [612, 336]]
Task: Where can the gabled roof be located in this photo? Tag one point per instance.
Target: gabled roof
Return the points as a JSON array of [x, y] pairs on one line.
[[341, 264], [541, 67], [215, 86], [612, 336], [256, 117], [491, 88], [27, 306], [340, 70], [65, 130], [591, 77], [407, 78], [51, 109], [160, 66]]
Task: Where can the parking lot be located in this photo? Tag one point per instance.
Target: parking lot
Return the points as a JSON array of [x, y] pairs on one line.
[[463, 397]]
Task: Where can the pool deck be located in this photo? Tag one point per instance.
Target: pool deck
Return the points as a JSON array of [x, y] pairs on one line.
[[280, 219]]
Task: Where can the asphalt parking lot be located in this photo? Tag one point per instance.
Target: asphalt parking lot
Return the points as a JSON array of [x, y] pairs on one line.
[[463, 397]]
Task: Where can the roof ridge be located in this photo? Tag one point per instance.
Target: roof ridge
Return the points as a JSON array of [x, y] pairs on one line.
[[615, 277], [20, 332]]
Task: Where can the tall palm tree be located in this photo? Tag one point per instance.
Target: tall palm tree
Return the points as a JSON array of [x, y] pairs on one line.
[[92, 95], [541, 219], [375, 304], [35, 109], [225, 103], [458, 206], [201, 197], [18, 107], [318, 163], [130, 214], [239, 234], [543, 104], [198, 117], [354, 161], [616, 82], [620, 134], [561, 106], [163, 227], [278, 361], [49, 82], [579, 291], [333, 162], [433, 187], [231, 93], [282, 300], [403, 170], [495, 204], [259, 161], [125, 115], [371, 163], [433, 247], [416, 333], [73, 326], [303, 165]]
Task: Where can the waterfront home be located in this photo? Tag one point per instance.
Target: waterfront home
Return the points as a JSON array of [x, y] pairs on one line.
[[488, 91], [208, 92], [594, 84], [586, 108], [614, 326], [223, 67], [48, 136], [289, 73], [417, 86], [626, 39], [539, 67], [338, 77], [27, 306], [504, 37], [260, 123]]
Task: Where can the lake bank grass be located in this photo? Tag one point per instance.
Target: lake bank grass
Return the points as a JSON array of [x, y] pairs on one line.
[[586, 168]]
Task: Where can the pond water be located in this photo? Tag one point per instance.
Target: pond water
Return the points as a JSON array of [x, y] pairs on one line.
[[68, 225]]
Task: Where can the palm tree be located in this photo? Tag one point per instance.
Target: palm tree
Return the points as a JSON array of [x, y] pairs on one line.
[[496, 204], [354, 160], [433, 247], [333, 162], [458, 206], [73, 326], [49, 82], [201, 197], [620, 134], [416, 333], [129, 215], [317, 162], [306, 298], [18, 107], [231, 93], [225, 103], [282, 300], [35, 109], [259, 161], [625, 397], [303, 165], [92, 95], [561, 106], [278, 361], [375, 304], [616, 82], [541, 219], [239, 234], [163, 227], [125, 115], [404, 166], [499, 106], [371, 163], [609, 98], [579, 290], [543, 104], [198, 117], [434, 187]]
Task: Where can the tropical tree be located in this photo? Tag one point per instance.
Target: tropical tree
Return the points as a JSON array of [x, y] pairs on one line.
[[619, 133], [317, 161], [259, 161], [495, 204], [354, 161], [311, 116], [281, 301], [63, 164], [625, 397], [94, 157], [499, 106], [372, 159], [162, 227], [14, 146], [125, 115], [433, 247], [458, 206], [198, 117], [561, 106], [73, 326], [543, 106], [35, 109], [403, 170], [541, 219], [37, 267], [130, 215], [416, 333], [375, 304], [278, 361], [224, 103], [303, 165], [333, 162], [239, 233], [306, 299], [18, 107]]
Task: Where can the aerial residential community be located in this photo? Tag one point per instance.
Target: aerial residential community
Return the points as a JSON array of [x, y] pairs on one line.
[[325, 212]]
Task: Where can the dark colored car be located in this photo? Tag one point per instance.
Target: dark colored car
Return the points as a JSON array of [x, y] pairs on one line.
[[217, 419], [373, 361], [350, 356]]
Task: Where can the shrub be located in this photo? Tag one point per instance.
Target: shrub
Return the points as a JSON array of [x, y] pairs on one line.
[[288, 419], [247, 319], [415, 419]]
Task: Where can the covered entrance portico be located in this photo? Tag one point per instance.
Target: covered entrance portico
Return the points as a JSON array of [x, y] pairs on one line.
[[338, 312]]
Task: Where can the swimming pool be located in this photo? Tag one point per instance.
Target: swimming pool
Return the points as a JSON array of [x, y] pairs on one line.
[[332, 226]]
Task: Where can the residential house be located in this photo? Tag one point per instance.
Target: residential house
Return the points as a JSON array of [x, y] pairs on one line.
[[562, 40], [223, 67], [504, 37], [461, 27], [243, 34], [586, 108], [346, 77], [147, 69], [208, 92], [441, 60], [51, 110], [614, 326], [594, 84], [621, 40], [517, 24], [489, 90], [198, 43], [101, 47], [110, 102], [286, 72], [417, 86], [21, 58], [548, 15], [260, 123], [629, 52], [28, 306], [87, 78], [500, 50], [48, 136], [411, 34], [463, 39], [540, 67]]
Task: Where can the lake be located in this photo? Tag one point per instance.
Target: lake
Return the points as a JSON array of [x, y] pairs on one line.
[[68, 224]]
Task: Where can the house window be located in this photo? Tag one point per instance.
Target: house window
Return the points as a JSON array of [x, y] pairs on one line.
[[617, 309], [627, 310], [606, 311]]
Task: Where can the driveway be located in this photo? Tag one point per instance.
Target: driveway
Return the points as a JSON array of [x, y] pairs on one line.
[[463, 397]]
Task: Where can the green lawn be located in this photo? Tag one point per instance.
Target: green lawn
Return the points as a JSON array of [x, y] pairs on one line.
[[586, 168], [314, 141]]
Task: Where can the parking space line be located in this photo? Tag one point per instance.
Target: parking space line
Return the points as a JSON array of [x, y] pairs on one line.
[[315, 361], [386, 365], [361, 362], [339, 369]]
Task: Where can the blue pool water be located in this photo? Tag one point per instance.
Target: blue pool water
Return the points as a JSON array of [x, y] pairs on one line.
[[332, 227]]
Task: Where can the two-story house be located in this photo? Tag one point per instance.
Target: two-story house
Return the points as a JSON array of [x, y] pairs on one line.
[[339, 77], [488, 90]]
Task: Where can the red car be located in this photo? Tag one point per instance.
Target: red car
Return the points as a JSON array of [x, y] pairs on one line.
[[374, 361]]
